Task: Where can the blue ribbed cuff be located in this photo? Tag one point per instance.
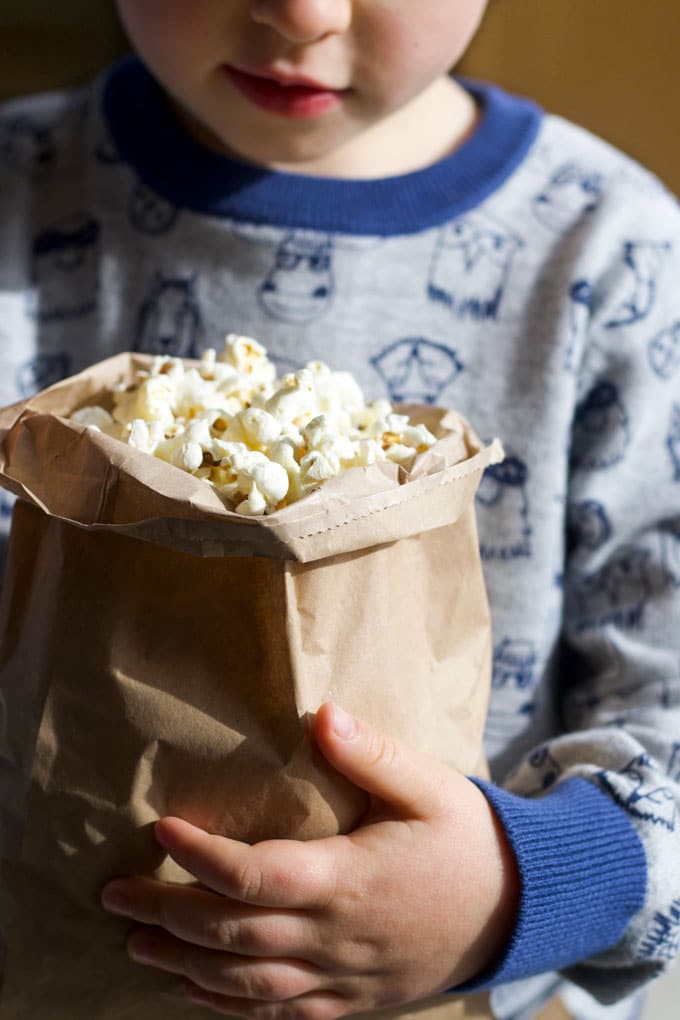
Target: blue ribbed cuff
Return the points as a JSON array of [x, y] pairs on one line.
[[583, 875]]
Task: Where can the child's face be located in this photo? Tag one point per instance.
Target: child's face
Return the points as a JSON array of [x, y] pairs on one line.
[[281, 82]]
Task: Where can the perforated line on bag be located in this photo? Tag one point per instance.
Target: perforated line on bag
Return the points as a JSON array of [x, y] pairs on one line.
[[464, 473]]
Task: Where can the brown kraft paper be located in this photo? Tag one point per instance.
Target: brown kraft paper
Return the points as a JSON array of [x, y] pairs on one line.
[[159, 656]]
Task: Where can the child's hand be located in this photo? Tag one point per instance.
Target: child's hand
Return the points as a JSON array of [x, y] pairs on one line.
[[420, 897]]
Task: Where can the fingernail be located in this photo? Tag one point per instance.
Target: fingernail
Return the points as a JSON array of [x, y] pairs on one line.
[[116, 898], [343, 724]]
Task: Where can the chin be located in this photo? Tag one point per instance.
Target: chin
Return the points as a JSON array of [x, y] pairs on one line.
[[293, 150]]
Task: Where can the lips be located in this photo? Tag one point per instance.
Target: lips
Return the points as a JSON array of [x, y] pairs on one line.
[[296, 96]]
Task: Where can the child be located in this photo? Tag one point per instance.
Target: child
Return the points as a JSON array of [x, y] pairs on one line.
[[306, 172]]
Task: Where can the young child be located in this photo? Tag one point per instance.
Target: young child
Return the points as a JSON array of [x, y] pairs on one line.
[[306, 172]]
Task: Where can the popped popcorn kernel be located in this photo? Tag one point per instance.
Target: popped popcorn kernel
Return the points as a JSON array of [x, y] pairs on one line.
[[261, 442], [93, 418], [145, 435]]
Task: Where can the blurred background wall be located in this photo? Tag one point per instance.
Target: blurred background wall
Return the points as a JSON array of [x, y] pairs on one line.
[[611, 65], [45, 44]]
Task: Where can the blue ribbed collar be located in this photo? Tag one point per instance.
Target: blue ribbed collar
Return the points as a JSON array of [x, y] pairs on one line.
[[191, 176]]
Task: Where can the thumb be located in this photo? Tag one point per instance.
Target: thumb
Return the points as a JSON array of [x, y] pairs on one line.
[[396, 774]]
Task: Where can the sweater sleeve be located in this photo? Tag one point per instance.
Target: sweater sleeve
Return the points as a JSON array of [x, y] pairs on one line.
[[593, 814]]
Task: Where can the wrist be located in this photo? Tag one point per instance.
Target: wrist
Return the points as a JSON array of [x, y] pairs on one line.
[[485, 881], [583, 876], [503, 892]]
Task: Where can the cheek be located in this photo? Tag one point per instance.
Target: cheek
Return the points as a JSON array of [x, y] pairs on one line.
[[167, 33], [407, 51]]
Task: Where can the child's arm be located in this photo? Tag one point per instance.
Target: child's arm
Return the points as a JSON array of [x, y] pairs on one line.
[[422, 896], [616, 678]]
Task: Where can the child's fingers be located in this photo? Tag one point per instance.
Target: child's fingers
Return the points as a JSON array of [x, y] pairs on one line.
[[205, 919], [314, 1004], [270, 980], [396, 774], [275, 873]]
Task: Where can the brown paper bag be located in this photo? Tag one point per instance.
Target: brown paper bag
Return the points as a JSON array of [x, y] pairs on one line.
[[159, 655]]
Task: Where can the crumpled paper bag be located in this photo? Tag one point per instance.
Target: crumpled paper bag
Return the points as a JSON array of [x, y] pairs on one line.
[[159, 655]]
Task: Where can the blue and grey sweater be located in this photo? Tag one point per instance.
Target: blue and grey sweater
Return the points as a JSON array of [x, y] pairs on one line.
[[529, 281]]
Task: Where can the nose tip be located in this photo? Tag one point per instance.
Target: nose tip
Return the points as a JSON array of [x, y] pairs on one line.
[[303, 21]]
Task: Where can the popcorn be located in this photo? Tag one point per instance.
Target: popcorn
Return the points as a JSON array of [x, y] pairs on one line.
[[266, 481], [189, 457], [94, 418], [248, 359], [152, 401], [255, 427], [145, 436], [317, 467], [261, 442], [370, 451], [296, 400]]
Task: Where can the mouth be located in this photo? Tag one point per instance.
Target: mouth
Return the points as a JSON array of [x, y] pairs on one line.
[[293, 96]]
